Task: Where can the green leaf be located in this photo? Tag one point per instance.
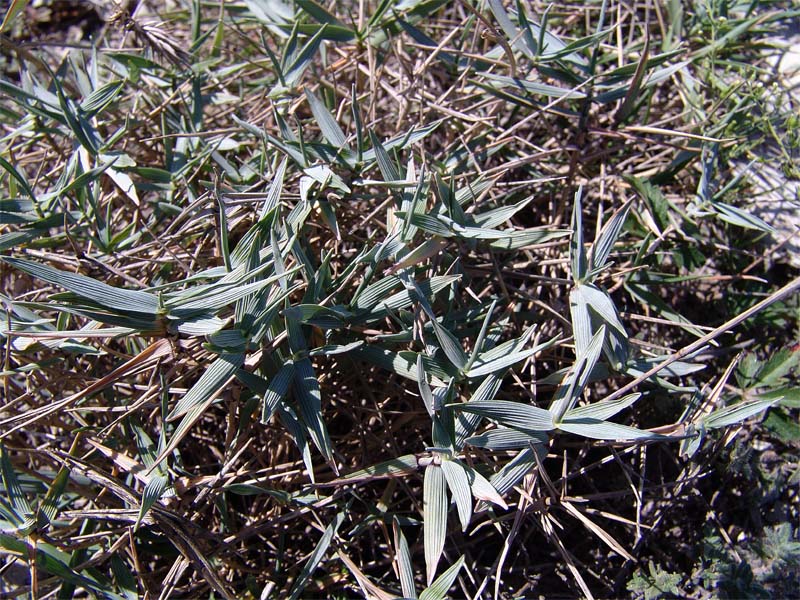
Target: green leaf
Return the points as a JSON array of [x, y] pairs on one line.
[[438, 590], [113, 298], [778, 366], [577, 251], [512, 414], [571, 389], [14, 9], [504, 438], [209, 385], [327, 124], [603, 409], [458, 482], [316, 556], [730, 415], [598, 429], [434, 508], [403, 559], [608, 235], [482, 489], [402, 465], [534, 87], [483, 367], [22, 513], [307, 391], [153, 491]]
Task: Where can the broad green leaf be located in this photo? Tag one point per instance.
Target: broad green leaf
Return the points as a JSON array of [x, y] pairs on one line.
[[434, 508], [512, 414], [778, 366], [458, 482]]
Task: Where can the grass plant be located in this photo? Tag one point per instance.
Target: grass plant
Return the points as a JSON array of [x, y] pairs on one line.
[[396, 299]]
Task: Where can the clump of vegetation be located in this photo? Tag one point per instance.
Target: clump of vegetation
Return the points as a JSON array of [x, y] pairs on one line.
[[457, 299]]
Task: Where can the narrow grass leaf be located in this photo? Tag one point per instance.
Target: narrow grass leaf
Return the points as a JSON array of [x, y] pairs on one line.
[[434, 508], [403, 560], [327, 124], [608, 235], [598, 429], [601, 303], [210, 384], [113, 298], [632, 96], [481, 336], [374, 293], [316, 556], [21, 508], [511, 414], [307, 391], [534, 87], [731, 415], [481, 367], [737, 216], [14, 9], [18, 177], [504, 438], [438, 590], [571, 389], [385, 163], [577, 251], [153, 491], [395, 467], [603, 409], [294, 72], [482, 489], [424, 387], [100, 98], [458, 482], [467, 423], [513, 471]]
